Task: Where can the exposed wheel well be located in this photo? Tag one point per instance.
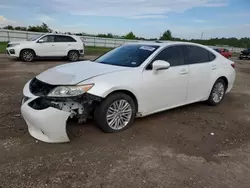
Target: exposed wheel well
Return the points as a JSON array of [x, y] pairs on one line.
[[224, 79], [129, 94], [26, 49], [74, 51]]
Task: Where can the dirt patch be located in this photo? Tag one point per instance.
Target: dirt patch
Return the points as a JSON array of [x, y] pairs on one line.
[[192, 146]]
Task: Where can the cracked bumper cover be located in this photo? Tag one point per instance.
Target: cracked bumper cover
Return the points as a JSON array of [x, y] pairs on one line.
[[47, 125]]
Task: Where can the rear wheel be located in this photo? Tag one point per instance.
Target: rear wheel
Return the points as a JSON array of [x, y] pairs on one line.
[[27, 55], [115, 113], [217, 93], [73, 55]]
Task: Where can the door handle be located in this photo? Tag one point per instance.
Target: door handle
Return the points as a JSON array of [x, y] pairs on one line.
[[183, 72], [53, 45], [69, 44], [214, 67]]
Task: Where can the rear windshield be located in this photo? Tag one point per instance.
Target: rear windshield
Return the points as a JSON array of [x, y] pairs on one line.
[[128, 55]]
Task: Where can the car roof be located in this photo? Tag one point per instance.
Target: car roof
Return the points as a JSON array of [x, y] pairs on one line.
[[58, 34], [165, 43]]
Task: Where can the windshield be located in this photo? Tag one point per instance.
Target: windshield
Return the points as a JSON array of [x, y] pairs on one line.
[[34, 38], [128, 55]]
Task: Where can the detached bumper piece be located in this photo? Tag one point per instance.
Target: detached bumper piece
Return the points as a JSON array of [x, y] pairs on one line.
[[47, 125], [47, 117]]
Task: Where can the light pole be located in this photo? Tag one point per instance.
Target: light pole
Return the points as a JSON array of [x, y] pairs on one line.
[[202, 35]]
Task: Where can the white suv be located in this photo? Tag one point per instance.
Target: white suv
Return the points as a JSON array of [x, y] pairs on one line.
[[47, 45]]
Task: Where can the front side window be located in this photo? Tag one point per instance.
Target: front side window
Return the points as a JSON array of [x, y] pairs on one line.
[[48, 38], [174, 55], [59, 38], [196, 54], [128, 55]]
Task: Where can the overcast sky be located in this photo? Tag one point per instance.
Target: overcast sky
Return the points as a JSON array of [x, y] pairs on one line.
[[147, 18]]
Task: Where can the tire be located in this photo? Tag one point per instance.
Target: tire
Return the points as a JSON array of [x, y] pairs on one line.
[[219, 87], [27, 55], [106, 108], [73, 55]]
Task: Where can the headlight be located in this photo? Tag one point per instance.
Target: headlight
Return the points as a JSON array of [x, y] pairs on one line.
[[70, 91], [12, 45]]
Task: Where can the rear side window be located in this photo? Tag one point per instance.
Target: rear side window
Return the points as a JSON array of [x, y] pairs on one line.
[[64, 39], [196, 54], [211, 56], [173, 54]]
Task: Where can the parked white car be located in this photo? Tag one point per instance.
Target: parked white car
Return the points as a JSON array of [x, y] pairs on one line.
[[131, 81], [47, 45]]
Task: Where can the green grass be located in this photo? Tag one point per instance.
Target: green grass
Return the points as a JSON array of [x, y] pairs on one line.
[[234, 54], [3, 47], [91, 50]]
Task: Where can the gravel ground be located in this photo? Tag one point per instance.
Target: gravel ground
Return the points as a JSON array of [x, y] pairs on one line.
[[170, 149]]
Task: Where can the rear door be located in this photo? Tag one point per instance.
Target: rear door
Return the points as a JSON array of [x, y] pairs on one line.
[[64, 44], [200, 68]]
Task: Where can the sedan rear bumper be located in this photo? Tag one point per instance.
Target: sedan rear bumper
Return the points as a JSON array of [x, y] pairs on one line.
[[47, 125]]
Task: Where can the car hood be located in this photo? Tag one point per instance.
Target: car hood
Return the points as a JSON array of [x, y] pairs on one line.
[[73, 73], [20, 42]]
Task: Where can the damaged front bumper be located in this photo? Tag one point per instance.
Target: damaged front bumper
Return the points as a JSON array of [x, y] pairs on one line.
[[47, 125], [47, 117]]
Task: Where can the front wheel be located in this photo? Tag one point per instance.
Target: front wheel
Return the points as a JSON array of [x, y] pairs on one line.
[[115, 113], [217, 93], [73, 55], [27, 55]]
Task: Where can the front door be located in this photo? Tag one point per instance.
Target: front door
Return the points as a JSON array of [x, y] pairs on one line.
[[46, 47], [166, 88]]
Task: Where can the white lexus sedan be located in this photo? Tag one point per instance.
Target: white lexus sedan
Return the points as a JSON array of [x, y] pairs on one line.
[[133, 80]]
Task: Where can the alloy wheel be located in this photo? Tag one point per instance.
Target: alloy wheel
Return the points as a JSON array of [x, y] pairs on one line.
[[119, 114], [73, 56], [218, 92], [28, 56]]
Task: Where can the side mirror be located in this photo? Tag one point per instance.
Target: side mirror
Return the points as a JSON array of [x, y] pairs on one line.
[[40, 41], [160, 65]]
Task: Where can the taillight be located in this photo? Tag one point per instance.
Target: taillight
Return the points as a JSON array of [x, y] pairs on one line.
[[233, 65]]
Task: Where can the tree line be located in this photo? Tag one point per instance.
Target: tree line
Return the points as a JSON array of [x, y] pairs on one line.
[[44, 28], [167, 35]]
